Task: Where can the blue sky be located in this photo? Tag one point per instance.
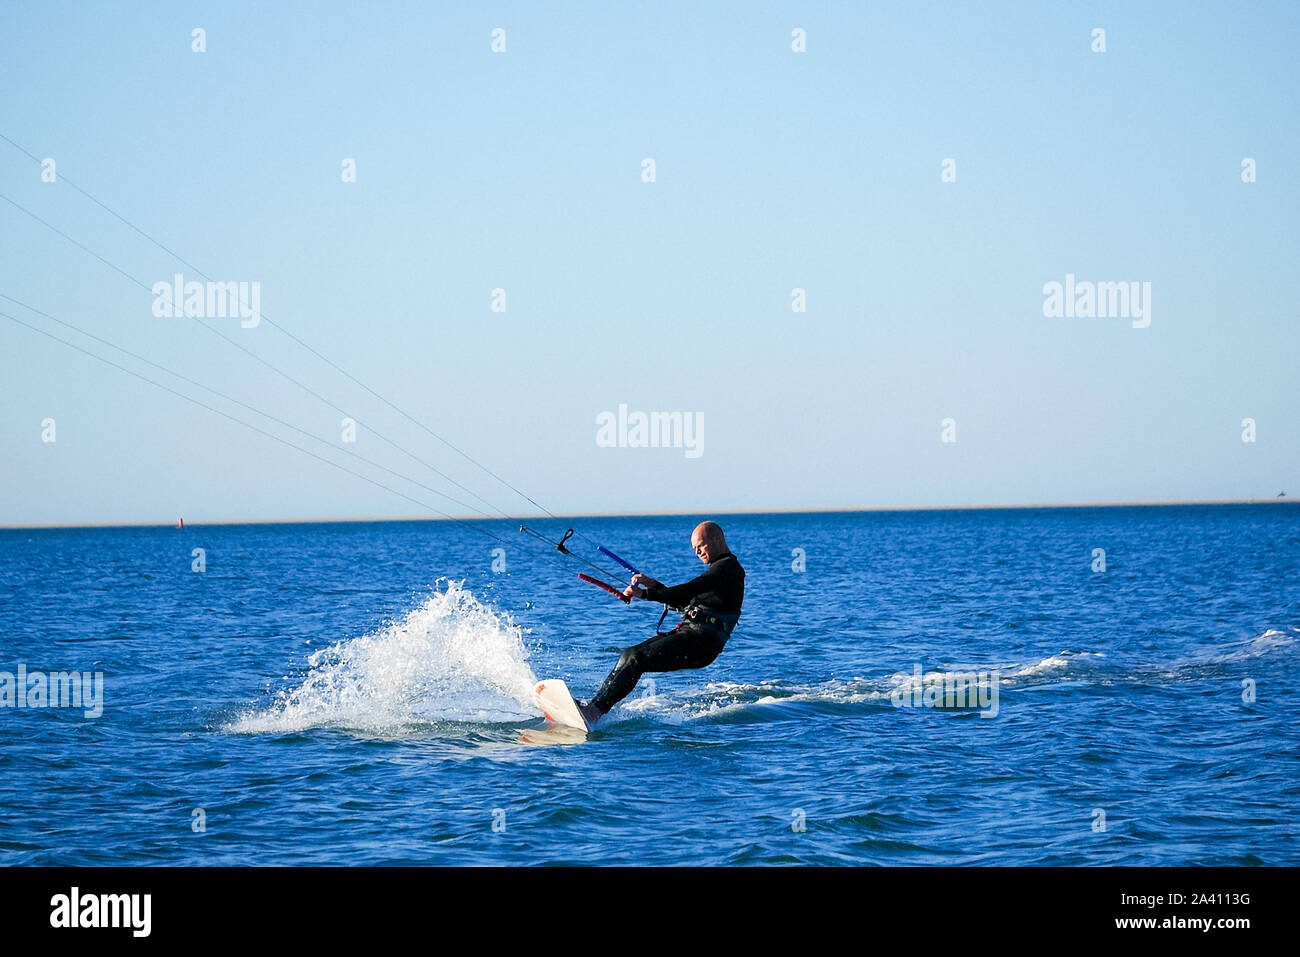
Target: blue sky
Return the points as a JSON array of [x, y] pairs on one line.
[[775, 170]]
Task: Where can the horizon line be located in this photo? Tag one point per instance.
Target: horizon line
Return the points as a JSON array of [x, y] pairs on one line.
[[1279, 500]]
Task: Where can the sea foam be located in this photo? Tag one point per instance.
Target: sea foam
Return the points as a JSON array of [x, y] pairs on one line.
[[451, 659]]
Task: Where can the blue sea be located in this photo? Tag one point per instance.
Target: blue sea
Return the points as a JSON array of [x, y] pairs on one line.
[[360, 693]]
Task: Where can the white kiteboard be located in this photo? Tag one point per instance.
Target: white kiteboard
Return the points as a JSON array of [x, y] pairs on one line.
[[556, 702], [555, 734]]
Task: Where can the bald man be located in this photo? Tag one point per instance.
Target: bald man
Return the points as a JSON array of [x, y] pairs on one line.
[[710, 607]]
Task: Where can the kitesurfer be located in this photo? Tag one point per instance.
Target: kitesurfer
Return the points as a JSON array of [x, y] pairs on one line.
[[710, 607]]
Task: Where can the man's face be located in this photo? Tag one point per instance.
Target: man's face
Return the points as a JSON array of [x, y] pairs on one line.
[[700, 545]]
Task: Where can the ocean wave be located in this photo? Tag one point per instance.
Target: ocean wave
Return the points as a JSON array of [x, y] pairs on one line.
[[1066, 667], [1269, 642]]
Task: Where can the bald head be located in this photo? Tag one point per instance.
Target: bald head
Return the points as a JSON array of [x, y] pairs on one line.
[[709, 542]]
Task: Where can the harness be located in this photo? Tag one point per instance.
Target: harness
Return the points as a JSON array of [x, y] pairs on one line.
[[694, 614]]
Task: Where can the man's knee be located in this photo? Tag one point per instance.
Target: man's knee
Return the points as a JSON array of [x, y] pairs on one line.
[[628, 659]]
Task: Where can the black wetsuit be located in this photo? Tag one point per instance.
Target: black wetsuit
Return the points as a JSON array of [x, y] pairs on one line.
[[693, 643]]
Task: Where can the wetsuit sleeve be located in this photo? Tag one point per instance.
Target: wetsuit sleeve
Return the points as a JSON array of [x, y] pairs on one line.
[[679, 596]]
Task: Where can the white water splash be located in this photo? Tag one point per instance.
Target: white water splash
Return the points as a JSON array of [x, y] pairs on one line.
[[719, 698], [1271, 641], [451, 659], [722, 697]]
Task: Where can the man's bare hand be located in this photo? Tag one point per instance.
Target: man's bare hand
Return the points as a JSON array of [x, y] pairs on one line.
[[632, 591]]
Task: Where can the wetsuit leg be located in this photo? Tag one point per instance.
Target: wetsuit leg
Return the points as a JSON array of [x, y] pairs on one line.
[[685, 647]]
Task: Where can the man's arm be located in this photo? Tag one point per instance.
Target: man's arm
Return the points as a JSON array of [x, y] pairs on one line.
[[678, 596]]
